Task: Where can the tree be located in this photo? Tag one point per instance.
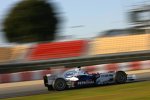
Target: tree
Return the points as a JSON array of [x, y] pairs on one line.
[[31, 21]]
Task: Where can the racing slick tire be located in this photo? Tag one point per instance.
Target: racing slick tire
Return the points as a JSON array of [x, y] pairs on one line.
[[59, 84], [120, 77]]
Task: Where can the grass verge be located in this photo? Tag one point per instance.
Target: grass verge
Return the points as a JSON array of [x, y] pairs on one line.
[[131, 91]]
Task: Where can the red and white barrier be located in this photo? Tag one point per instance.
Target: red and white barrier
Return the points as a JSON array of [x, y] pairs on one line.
[[126, 66], [37, 75], [23, 76]]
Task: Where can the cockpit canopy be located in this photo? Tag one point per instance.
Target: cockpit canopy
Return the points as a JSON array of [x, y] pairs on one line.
[[74, 72]]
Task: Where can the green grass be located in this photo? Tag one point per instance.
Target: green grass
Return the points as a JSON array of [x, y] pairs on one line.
[[131, 91]]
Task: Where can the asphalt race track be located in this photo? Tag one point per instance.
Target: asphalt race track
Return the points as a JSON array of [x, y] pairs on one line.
[[10, 90]]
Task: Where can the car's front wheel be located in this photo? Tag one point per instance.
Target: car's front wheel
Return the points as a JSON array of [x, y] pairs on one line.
[[120, 77], [59, 84]]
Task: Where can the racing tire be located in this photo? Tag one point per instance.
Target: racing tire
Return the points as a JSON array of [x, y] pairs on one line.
[[59, 84], [120, 77]]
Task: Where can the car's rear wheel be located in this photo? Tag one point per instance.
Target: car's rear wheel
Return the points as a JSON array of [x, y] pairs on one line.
[[120, 77], [59, 84]]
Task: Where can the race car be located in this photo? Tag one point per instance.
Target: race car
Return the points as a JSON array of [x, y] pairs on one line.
[[77, 77]]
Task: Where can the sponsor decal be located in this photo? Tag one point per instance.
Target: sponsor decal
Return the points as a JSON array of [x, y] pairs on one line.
[[70, 74], [85, 82]]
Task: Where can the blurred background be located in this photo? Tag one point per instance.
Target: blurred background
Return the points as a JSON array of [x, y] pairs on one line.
[[36, 28], [84, 19]]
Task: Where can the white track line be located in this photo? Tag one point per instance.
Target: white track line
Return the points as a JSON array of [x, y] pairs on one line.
[[25, 83]]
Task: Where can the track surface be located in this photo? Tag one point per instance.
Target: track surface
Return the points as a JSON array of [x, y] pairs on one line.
[[10, 90]]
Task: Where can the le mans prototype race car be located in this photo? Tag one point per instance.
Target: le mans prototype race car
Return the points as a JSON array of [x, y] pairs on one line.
[[76, 77]]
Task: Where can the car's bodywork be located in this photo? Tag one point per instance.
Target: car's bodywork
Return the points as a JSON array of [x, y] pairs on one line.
[[78, 78]]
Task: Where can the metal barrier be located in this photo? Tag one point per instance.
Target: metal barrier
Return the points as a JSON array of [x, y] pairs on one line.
[[77, 61]]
